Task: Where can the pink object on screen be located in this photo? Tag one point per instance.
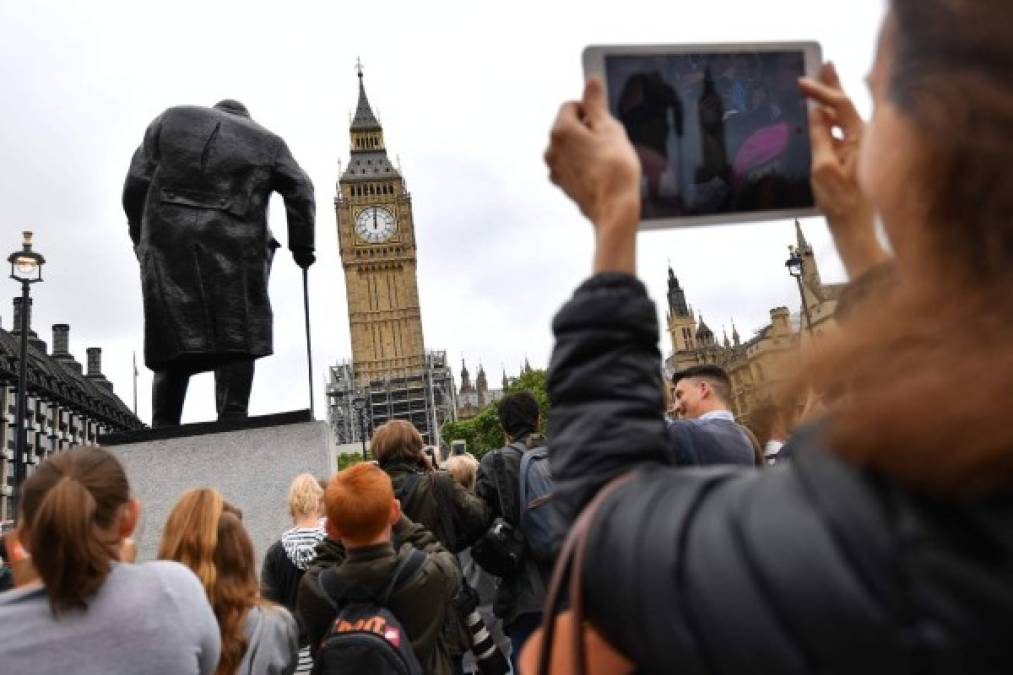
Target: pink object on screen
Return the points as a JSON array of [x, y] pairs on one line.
[[763, 146]]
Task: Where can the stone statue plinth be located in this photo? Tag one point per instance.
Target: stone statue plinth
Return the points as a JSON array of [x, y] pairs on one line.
[[251, 462]]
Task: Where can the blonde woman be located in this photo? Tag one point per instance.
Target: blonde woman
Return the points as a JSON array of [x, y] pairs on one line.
[[206, 534], [287, 559]]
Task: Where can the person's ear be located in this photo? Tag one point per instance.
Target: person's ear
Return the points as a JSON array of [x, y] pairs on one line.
[[332, 531], [129, 516], [705, 389], [395, 512]]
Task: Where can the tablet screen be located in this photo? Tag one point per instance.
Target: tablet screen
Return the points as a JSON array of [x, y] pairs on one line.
[[717, 133]]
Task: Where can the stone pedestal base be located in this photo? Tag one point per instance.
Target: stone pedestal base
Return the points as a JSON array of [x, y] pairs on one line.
[[251, 466]]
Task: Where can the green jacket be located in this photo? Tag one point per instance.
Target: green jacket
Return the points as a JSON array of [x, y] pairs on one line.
[[422, 605], [456, 516]]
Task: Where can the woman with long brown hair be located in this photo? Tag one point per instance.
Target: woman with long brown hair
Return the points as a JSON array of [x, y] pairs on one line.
[[89, 612], [206, 533], [886, 545]]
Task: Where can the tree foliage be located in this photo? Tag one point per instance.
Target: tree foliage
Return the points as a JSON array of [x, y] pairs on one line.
[[482, 432], [348, 459]]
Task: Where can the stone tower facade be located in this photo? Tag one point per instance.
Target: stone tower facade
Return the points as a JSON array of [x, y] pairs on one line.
[[390, 375], [756, 364], [376, 236], [466, 386], [681, 321]]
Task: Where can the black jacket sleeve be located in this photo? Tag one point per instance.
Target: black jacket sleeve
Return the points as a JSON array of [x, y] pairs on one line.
[[605, 386], [270, 577], [485, 486], [469, 515], [707, 570]]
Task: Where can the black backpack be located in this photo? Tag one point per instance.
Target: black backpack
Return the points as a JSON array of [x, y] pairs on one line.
[[366, 637], [500, 550]]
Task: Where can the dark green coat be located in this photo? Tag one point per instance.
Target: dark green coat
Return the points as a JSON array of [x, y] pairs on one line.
[[422, 605], [456, 516]]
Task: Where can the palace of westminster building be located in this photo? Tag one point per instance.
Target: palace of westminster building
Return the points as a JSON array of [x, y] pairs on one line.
[[760, 362]]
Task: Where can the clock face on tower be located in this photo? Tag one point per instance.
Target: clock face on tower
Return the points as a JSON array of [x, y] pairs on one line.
[[375, 224]]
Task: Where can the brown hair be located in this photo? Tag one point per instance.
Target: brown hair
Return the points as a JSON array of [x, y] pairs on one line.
[[69, 507], [206, 533], [922, 373], [396, 440], [358, 501]]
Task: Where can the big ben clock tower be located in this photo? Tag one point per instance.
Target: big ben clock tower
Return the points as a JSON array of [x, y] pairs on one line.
[[376, 236]]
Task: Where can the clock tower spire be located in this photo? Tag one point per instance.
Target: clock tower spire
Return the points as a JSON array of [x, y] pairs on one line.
[[376, 238], [367, 134]]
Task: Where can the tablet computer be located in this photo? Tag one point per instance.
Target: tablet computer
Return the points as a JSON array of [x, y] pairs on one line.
[[721, 130]]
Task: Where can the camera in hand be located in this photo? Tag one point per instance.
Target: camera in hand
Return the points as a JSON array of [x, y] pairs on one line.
[[488, 657]]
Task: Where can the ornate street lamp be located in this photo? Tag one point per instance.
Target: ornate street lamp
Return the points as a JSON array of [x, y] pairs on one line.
[[26, 267], [795, 266], [359, 403]]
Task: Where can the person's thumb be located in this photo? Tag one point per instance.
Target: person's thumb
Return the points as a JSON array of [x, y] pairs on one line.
[[595, 104]]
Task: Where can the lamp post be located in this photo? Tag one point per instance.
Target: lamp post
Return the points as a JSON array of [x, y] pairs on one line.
[[359, 403], [26, 267], [794, 263]]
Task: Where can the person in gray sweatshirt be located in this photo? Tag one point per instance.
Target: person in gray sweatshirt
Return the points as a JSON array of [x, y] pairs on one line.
[[77, 608]]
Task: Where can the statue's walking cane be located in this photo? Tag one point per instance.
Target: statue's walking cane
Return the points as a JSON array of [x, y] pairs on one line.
[[309, 350]]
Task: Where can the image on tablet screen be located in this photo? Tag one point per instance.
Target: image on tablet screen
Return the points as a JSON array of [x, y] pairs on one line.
[[716, 133]]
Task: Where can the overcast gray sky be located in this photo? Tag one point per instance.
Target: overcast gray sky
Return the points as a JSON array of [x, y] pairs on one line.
[[466, 92]]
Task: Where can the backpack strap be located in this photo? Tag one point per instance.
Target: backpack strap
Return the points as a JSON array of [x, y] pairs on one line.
[[526, 460], [443, 493], [759, 458], [511, 511], [336, 592], [408, 487], [406, 569], [570, 569]]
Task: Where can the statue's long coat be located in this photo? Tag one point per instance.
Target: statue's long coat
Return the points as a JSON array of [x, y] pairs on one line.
[[196, 199]]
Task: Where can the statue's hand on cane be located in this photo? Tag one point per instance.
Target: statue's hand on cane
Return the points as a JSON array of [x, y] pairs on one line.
[[304, 258]]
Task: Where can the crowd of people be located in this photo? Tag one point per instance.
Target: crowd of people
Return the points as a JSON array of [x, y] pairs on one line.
[[396, 532], [870, 531]]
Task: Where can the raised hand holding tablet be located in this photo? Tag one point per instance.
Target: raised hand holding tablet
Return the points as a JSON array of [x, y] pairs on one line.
[[591, 160]]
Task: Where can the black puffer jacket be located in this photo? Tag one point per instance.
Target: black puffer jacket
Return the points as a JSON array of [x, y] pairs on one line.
[[814, 566]]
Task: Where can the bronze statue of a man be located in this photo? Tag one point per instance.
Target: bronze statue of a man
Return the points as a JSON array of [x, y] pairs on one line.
[[196, 199]]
